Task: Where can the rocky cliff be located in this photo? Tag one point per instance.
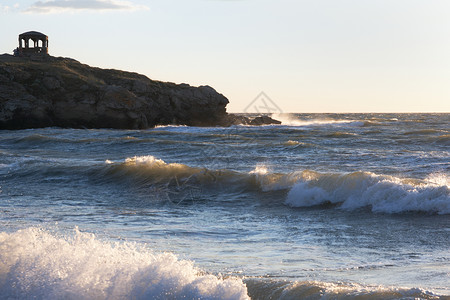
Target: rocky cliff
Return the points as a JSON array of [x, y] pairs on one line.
[[45, 91]]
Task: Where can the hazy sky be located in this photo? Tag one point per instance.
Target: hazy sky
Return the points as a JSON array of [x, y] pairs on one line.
[[306, 55]]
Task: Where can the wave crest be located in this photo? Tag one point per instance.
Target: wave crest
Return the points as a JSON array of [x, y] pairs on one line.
[[386, 194], [149, 169], [37, 264], [382, 193], [293, 120]]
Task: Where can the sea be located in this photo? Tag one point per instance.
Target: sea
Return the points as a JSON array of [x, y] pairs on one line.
[[323, 206]]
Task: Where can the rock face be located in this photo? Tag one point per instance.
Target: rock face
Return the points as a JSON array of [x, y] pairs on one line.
[[45, 91], [239, 119], [49, 91]]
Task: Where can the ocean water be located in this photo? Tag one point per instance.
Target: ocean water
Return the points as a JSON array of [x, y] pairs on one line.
[[324, 206]]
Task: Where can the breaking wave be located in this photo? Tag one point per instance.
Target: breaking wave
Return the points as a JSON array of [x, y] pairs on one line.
[[144, 170], [293, 120], [37, 264], [380, 193]]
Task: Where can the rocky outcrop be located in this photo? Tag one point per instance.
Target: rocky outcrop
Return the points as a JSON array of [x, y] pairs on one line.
[[239, 119], [45, 91]]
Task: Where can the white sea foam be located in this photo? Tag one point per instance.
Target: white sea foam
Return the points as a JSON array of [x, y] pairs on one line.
[[171, 126], [150, 166], [439, 179], [268, 181], [260, 170], [382, 193], [184, 129], [292, 120], [35, 264], [145, 160], [292, 143]]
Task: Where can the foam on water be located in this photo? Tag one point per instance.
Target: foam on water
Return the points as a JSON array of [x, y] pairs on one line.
[[292, 143], [382, 193], [292, 120], [439, 179], [260, 170], [151, 167], [37, 264]]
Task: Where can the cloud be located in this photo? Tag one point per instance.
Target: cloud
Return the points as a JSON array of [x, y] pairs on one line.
[[4, 8], [55, 6], [8, 8]]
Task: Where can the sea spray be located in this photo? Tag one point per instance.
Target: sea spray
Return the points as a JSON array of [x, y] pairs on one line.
[[293, 120], [382, 193], [44, 265]]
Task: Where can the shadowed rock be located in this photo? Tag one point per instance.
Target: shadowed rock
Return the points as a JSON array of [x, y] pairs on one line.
[[45, 91], [237, 119]]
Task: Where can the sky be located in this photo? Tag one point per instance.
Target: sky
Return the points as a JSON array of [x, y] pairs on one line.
[[305, 55]]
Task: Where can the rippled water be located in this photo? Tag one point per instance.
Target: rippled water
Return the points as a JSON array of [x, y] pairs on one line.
[[337, 205]]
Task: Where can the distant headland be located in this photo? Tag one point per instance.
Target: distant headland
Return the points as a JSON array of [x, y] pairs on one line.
[[39, 90]]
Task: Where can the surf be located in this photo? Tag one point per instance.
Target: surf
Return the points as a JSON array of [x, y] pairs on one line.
[[43, 265], [304, 188], [381, 193]]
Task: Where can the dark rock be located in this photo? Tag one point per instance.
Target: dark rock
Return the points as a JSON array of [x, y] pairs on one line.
[[50, 91], [51, 83], [65, 93], [264, 120], [236, 119]]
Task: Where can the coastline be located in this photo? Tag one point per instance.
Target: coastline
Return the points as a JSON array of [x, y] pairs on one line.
[[46, 91]]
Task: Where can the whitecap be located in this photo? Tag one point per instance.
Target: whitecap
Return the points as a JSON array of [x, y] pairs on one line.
[[382, 193], [35, 263], [292, 120]]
